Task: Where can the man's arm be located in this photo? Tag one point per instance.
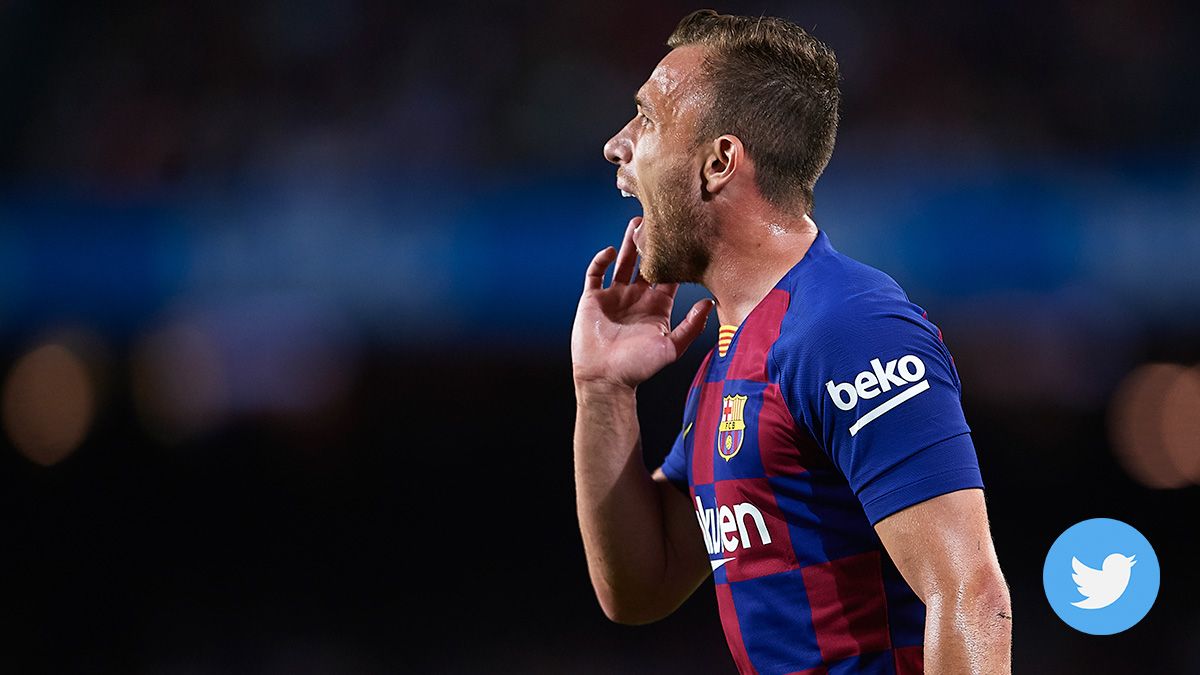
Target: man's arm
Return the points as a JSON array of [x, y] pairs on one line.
[[943, 547], [644, 550]]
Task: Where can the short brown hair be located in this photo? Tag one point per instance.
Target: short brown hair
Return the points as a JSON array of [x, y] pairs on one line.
[[775, 87]]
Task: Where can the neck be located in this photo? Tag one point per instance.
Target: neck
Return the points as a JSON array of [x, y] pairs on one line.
[[751, 257]]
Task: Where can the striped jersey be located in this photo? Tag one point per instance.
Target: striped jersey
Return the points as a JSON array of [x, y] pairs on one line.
[[833, 405]]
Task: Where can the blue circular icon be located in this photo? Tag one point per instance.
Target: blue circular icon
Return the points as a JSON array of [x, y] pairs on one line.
[[1101, 576]]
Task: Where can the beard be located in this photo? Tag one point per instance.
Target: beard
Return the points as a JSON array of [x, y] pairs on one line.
[[677, 244]]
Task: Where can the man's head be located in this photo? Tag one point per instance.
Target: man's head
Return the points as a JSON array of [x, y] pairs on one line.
[[747, 106]]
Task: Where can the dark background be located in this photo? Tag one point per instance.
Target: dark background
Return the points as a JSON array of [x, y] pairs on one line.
[[286, 292]]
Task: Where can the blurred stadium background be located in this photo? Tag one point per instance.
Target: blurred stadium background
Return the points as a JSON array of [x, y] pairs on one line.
[[286, 292]]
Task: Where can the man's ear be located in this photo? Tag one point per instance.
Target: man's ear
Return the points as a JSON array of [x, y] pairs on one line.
[[725, 156]]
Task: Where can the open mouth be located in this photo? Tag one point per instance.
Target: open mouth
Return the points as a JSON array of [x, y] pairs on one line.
[[637, 231]]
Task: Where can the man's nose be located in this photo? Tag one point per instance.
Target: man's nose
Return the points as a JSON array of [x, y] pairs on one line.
[[618, 150]]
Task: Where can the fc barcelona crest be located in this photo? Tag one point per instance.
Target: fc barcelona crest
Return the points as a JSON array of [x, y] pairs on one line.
[[732, 429]]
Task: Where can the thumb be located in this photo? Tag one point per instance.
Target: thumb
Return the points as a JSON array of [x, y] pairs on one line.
[[692, 325]]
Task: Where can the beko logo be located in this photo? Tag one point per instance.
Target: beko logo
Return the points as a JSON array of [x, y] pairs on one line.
[[880, 379]]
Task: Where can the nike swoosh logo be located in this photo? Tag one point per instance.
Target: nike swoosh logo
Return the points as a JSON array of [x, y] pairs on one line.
[[889, 404], [717, 563], [687, 429]]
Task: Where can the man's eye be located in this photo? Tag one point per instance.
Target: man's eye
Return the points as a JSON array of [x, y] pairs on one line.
[[642, 116]]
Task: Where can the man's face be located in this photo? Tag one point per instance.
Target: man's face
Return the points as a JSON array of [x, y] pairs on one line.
[[657, 160]]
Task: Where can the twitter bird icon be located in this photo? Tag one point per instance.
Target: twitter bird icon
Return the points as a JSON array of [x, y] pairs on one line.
[[1114, 596], [1101, 588]]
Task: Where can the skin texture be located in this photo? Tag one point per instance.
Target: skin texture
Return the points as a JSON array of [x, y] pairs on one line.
[[705, 221], [943, 547]]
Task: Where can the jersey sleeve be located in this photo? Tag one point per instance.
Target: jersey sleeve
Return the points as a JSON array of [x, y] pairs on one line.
[[676, 461], [878, 390]]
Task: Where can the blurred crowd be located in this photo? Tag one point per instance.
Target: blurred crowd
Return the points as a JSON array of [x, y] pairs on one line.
[[136, 98]]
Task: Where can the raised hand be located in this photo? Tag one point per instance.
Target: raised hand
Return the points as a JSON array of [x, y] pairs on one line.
[[622, 334]]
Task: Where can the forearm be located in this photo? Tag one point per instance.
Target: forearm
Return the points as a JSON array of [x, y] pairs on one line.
[[619, 505], [969, 632]]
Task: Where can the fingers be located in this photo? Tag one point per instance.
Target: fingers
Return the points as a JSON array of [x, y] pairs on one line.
[[593, 280], [627, 257], [692, 325]]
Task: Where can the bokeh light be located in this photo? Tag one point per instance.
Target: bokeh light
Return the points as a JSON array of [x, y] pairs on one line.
[[1181, 423], [49, 403], [1154, 425]]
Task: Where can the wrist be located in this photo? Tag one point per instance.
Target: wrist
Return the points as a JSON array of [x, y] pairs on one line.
[[595, 390]]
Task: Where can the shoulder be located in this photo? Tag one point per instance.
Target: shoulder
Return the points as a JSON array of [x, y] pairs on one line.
[[842, 316], [840, 299]]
